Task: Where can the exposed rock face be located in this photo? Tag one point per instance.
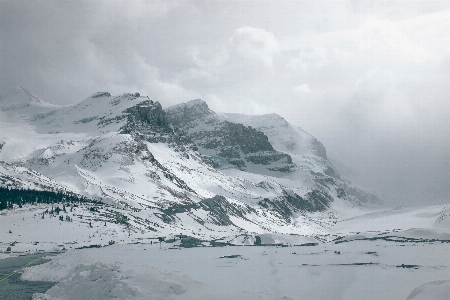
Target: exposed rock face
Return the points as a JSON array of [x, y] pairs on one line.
[[148, 112], [218, 207], [249, 139], [318, 148], [283, 136], [147, 121], [235, 143], [101, 94], [290, 203], [184, 113]]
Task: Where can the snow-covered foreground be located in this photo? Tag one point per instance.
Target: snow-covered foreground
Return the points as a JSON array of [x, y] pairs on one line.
[[361, 270], [395, 254]]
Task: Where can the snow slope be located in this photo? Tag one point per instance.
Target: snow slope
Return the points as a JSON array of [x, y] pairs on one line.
[[176, 174], [159, 168], [357, 269], [437, 290]]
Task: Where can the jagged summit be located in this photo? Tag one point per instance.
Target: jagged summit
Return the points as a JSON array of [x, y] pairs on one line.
[[148, 112], [190, 111]]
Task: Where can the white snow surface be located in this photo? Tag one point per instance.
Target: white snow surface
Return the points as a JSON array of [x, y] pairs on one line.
[[436, 290], [353, 252], [359, 269], [131, 279], [376, 263]]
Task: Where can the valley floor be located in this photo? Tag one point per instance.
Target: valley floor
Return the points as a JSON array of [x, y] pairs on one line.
[[352, 270], [376, 256]]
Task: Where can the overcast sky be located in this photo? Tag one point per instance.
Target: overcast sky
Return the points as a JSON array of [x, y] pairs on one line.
[[370, 79]]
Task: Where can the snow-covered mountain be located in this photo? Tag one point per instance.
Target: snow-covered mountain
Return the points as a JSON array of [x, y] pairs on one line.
[[282, 135], [184, 169], [20, 102]]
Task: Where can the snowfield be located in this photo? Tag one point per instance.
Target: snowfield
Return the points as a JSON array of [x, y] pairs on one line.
[[143, 202], [361, 270], [368, 259]]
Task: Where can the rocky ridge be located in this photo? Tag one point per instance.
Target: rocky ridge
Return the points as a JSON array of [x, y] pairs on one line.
[[225, 142]]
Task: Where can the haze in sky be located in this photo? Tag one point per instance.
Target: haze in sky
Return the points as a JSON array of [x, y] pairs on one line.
[[370, 79]]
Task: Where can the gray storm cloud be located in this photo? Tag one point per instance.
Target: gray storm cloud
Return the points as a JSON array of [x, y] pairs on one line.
[[370, 79]]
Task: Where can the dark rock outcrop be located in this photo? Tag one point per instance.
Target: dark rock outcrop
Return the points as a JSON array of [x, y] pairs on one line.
[[148, 112], [237, 144], [184, 113], [318, 148], [218, 207], [101, 94]]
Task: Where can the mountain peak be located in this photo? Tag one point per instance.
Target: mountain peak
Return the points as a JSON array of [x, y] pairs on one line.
[[32, 98], [189, 111], [100, 94], [144, 114], [196, 102], [190, 104], [19, 98]]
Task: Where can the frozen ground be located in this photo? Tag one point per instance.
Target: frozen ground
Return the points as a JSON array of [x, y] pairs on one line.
[[396, 254], [362, 270]]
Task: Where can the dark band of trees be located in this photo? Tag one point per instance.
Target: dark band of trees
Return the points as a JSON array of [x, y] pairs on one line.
[[19, 197]]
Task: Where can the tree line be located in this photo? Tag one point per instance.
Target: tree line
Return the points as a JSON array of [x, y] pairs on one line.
[[10, 197]]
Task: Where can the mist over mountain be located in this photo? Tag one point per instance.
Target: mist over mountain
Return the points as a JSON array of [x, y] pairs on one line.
[[314, 162], [370, 81]]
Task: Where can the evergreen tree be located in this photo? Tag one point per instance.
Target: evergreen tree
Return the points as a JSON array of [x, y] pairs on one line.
[[9, 197]]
